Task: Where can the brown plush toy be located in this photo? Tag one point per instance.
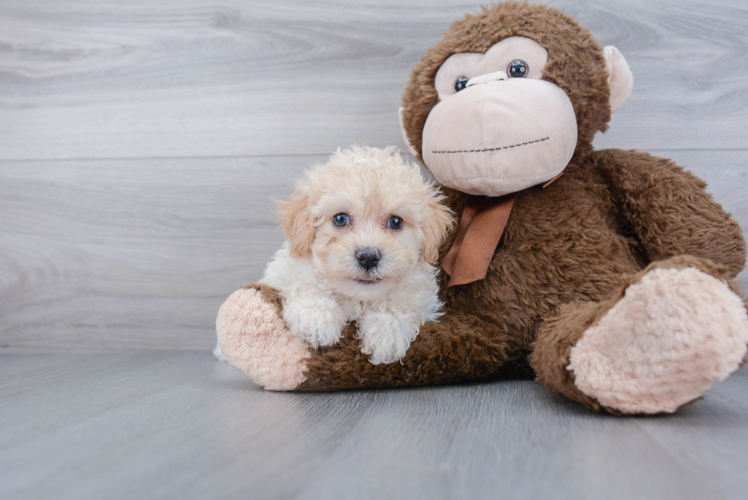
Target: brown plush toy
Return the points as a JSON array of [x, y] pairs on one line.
[[611, 284]]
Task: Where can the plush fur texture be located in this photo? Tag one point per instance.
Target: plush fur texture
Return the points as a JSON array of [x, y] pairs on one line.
[[319, 274], [568, 253]]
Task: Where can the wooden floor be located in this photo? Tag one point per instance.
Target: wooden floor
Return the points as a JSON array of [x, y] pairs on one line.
[[140, 144], [181, 425]]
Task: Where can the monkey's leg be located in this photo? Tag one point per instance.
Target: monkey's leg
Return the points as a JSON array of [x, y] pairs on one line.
[[255, 340], [670, 333]]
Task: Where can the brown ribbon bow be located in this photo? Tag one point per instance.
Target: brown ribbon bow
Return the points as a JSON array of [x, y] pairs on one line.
[[481, 225], [478, 234]]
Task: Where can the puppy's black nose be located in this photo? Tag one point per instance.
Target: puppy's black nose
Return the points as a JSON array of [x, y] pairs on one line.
[[368, 258]]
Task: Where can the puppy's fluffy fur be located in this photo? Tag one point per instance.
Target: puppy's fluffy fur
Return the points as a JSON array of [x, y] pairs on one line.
[[367, 270]]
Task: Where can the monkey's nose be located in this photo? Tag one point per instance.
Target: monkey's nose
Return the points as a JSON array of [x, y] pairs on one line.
[[488, 77], [368, 258]]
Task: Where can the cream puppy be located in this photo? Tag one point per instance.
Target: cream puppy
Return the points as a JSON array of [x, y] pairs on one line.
[[362, 232]]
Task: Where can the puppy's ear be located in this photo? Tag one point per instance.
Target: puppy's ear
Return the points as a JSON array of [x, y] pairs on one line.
[[297, 223], [435, 229]]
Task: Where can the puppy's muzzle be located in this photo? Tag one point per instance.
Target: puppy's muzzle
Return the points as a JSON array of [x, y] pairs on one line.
[[368, 258]]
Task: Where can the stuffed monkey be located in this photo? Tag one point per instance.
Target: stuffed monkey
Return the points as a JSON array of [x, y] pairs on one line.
[[606, 275]]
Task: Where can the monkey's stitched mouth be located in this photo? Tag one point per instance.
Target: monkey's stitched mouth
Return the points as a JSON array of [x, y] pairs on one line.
[[491, 149]]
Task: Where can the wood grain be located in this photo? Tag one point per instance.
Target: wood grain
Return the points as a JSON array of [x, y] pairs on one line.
[[195, 78], [143, 250], [181, 425], [106, 254]]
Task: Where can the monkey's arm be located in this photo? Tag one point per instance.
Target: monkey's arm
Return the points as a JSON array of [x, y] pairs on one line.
[[459, 347], [669, 210], [255, 340]]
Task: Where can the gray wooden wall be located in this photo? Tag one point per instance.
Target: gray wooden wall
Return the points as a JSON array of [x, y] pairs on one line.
[[140, 142]]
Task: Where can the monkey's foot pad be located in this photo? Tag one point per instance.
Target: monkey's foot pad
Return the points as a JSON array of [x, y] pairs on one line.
[[673, 335]]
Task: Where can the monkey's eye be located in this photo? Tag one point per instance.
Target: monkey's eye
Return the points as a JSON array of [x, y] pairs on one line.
[[461, 83], [518, 69], [341, 220], [395, 223]]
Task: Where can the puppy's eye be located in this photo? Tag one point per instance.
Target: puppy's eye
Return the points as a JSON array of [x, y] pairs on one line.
[[518, 69], [341, 220], [395, 223], [461, 83]]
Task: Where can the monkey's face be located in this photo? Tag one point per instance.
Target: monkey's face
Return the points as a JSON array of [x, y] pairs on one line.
[[498, 128]]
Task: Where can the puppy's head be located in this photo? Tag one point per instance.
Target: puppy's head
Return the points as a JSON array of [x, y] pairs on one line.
[[366, 217]]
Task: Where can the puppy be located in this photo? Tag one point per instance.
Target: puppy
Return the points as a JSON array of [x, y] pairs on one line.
[[362, 234]]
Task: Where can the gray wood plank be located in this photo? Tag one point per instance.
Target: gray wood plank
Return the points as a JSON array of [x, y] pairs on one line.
[[180, 425], [172, 78], [146, 250], [129, 254]]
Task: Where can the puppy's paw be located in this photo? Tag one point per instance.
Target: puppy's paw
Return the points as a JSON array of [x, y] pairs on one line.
[[385, 337], [318, 323]]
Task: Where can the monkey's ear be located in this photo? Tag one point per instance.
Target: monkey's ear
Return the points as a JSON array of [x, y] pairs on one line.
[[620, 77], [297, 223], [435, 229], [405, 136]]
